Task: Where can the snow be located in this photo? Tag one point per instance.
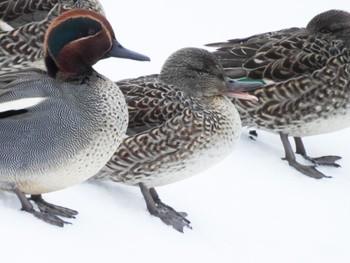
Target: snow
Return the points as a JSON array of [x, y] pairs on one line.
[[252, 207]]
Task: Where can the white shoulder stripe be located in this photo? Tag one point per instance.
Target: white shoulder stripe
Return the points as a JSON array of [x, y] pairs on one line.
[[5, 27], [20, 104]]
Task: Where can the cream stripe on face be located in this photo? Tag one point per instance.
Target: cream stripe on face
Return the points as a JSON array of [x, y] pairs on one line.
[[20, 104]]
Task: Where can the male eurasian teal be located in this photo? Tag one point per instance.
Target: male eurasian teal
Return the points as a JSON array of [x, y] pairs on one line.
[[59, 129], [21, 47], [306, 72], [180, 123]]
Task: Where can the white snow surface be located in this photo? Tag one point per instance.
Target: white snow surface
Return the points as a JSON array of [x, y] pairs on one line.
[[251, 207]]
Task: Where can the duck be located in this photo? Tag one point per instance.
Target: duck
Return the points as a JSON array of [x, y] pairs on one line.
[[23, 26], [19, 13], [181, 122], [305, 77], [59, 127]]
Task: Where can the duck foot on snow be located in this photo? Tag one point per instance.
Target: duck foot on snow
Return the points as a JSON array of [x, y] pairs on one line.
[[329, 160], [166, 213], [310, 171], [48, 212]]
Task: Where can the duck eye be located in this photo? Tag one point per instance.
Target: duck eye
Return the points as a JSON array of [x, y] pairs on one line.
[[91, 32], [325, 30], [204, 71]]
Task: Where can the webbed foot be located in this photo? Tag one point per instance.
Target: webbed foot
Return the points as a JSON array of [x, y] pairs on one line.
[[166, 213], [329, 160], [48, 212], [49, 208], [310, 171]]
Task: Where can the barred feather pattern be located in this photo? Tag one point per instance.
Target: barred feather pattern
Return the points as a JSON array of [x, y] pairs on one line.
[[33, 10], [306, 76], [151, 103], [175, 136]]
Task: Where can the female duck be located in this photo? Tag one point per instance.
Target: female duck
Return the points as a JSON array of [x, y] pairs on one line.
[[69, 123], [180, 123], [306, 72], [22, 47]]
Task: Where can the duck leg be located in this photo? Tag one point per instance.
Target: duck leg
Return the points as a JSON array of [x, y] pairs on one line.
[[166, 213], [310, 171], [50, 218], [329, 160]]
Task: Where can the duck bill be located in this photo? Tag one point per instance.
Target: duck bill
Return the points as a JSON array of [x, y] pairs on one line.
[[240, 95], [238, 89], [119, 51]]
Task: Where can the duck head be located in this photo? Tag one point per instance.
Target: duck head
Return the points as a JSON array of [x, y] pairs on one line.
[[79, 38], [199, 73], [335, 23]]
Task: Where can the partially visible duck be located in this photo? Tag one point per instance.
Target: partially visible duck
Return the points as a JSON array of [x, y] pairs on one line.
[[20, 12], [21, 43], [59, 128], [306, 77], [180, 123]]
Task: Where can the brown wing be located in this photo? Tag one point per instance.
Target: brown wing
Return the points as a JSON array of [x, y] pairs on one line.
[[150, 102], [277, 56]]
